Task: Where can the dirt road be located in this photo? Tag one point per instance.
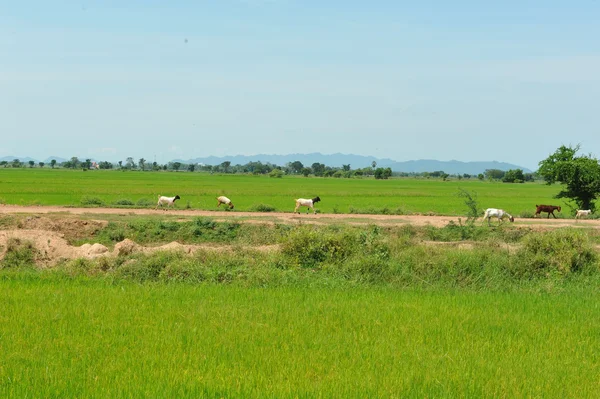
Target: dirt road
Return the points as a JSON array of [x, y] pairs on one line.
[[281, 217]]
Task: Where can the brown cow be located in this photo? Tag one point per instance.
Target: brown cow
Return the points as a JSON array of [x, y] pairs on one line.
[[546, 208]]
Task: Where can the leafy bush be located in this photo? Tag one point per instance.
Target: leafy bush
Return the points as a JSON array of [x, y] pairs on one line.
[[144, 202], [276, 173], [309, 246], [92, 201], [123, 202], [556, 253]]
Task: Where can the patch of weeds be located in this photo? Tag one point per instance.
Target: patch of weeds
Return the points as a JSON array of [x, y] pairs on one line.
[[556, 253], [371, 210], [124, 202], [262, 208], [91, 201], [19, 253], [144, 203]]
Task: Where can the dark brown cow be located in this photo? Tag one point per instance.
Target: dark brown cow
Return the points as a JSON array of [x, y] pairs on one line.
[[546, 208]]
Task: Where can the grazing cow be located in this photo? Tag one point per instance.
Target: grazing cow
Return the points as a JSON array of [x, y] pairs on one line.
[[166, 201], [224, 200], [581, 213], [497, 213], [306, 202], [546, 208]]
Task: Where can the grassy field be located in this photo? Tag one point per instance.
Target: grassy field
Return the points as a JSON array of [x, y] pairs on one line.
[[63, 337], [334, 311], [198, 191]]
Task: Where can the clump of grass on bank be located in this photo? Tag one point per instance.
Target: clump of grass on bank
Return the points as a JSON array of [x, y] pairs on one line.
[[18, 254], [350, 255]]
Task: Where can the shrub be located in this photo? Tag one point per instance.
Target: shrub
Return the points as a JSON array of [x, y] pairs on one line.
[[92, 201], [123, 202], [276, 173], [144, 202], [556, 253]]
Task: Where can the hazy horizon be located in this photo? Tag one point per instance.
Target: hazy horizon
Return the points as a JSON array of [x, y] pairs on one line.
[[464, 80]]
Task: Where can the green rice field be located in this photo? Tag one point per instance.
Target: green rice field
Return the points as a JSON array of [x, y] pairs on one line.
[[293, 310], [89, 338], [198, 191]]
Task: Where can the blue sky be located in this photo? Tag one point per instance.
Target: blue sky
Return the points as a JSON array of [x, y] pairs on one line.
[[508, 81]]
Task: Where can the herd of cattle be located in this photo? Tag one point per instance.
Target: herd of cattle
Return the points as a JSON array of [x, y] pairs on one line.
[[489, 213]]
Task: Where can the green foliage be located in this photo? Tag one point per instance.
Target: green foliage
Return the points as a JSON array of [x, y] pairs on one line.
[[92, 201], [18, 253], [383, 173], [514, 176], [494, 174], [373, 210], [144, 203], [308, 246], [276, 173], [262, 208], [579, 175], [124, 202], [560, 252]]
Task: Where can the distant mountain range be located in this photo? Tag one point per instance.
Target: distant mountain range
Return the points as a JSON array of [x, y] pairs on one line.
[[361, 161], [27, 159], [337, 160]]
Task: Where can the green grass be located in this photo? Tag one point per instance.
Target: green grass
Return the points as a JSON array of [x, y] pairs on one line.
[[248, 192], [62, 337]]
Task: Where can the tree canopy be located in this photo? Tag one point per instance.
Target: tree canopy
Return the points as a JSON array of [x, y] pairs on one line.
[[580, 175]]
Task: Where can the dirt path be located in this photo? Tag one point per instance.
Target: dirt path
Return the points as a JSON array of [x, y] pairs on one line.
[[281, 217]]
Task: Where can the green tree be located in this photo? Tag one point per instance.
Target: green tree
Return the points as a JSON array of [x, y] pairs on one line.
[[74, 163], [3, 163], [383, 173], [494, 174], [296, 167], [514, 176], [346, 168], [176, 166], [129, 163], [318, 168], [16, 163], [41, 164], [53, 163], [191, 167], [579, 175], [31, 163], [142, 163], [225, 165], [305, 172]]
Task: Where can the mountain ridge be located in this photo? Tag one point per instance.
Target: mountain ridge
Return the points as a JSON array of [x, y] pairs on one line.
[[337, 160]]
